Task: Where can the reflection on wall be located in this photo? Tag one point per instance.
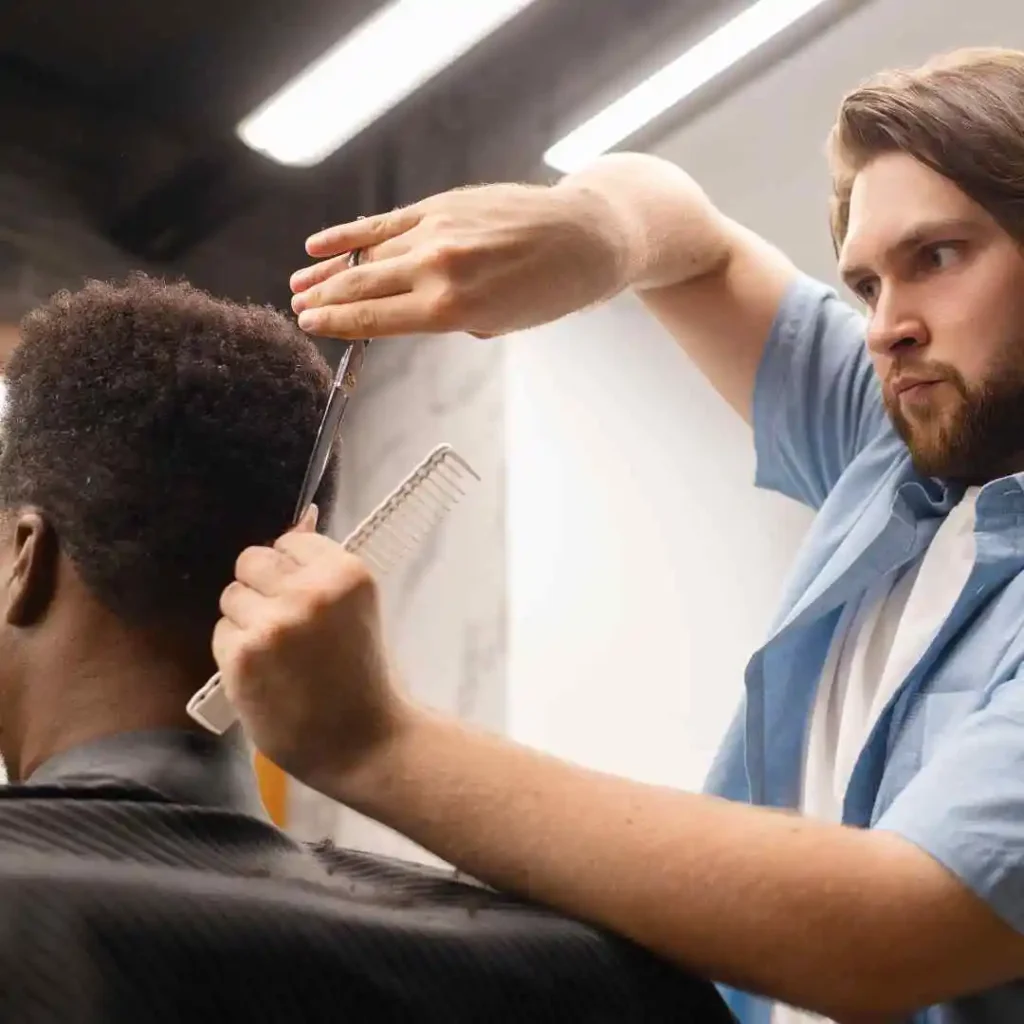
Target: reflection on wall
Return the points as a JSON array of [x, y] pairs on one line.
[[445, 607]]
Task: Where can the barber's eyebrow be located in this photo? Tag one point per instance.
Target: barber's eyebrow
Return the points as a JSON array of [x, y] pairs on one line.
[[852, 271]]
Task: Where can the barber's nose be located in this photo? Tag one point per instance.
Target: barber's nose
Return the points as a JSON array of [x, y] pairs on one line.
[[891, 330]]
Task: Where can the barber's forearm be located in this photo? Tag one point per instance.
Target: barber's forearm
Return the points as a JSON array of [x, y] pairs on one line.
[[672, 231], [819, 915]]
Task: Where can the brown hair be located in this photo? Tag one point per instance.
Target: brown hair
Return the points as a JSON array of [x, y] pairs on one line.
[[961, 114]]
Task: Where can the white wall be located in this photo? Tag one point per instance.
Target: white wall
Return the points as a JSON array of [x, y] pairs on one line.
[[643, 566]]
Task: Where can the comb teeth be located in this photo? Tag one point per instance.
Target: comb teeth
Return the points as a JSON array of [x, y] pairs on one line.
[[412, 510]]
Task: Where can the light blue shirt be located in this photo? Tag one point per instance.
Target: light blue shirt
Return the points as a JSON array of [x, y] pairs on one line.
[[944, 766]]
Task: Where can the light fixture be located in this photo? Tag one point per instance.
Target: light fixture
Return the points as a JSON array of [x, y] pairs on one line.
[[385, 59], [683, 76]]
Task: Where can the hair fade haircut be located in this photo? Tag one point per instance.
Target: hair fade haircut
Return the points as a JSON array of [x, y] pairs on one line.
[[160, 431], [961, 114]]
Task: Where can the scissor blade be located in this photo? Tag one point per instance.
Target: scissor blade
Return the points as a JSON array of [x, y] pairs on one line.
[[350, 366], [344, 383]]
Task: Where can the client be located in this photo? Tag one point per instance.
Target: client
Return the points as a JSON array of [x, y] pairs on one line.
[[150, 434]]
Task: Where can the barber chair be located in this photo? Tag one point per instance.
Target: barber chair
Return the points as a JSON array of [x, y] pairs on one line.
[[119, 908]]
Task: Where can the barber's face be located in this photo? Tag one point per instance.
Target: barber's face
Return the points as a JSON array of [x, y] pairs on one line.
[[943, 285]]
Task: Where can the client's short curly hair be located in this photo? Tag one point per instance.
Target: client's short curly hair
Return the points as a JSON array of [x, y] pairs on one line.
[[160, 431]]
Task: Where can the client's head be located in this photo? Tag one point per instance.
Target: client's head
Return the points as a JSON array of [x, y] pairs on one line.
[[150, 433]]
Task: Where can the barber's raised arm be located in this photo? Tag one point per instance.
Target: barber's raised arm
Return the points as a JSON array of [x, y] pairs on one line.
[[715, 285], [501, 258]]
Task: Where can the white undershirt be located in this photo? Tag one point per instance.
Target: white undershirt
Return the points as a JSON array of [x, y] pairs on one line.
[[878, 641]]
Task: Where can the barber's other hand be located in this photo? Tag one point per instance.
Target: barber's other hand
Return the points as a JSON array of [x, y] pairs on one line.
[[300, 652], [485, 260]]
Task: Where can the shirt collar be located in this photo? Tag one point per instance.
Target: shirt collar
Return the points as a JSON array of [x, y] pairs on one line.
[[995, 499], [178, 765]]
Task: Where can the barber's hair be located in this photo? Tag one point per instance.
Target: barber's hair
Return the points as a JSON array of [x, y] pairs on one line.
[[160, 431], [961, 114]]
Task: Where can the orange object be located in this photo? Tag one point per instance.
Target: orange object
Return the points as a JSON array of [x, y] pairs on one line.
[[273, 789], [9, 338]]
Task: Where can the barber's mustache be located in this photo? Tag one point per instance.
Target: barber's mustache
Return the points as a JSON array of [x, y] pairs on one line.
[[904, 375]]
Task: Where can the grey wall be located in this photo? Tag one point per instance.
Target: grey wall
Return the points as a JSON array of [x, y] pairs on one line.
[[45, 244]]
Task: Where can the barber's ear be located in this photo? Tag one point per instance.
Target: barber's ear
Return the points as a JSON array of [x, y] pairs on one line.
[[32, 579]]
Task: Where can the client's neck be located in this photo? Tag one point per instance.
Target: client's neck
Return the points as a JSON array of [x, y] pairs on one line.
[[98, 684]]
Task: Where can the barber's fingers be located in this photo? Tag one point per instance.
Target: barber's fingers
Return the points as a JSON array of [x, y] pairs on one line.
[[310, 275], [358, 284], [227, 637], [363, 233], [410, 313], [308, 522], [318, 272], [264, 570], [307, 277], [307, 548], [242, 606]]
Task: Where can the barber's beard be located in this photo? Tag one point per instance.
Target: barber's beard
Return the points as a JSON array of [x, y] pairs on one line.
[[974, 437]]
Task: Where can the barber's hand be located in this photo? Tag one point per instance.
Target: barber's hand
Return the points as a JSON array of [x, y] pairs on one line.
[[300, 652], [486, 260]]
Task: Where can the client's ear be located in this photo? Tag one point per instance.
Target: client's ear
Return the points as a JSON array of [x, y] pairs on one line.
[[32, 581]]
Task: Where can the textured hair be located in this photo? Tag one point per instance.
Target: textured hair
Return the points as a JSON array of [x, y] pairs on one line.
[[160, 431], [961, 114]]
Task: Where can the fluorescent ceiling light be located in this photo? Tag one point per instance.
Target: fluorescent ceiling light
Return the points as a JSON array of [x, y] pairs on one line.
[[696, 67], [388, 57]]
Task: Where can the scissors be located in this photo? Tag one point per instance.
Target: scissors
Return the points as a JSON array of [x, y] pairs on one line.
[[345, 380], [210, 705]]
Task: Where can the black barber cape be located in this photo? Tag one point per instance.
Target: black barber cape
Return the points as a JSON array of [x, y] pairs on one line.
[[141, 883]]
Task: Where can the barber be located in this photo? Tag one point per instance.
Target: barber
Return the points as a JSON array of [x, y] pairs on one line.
[[900, 885]]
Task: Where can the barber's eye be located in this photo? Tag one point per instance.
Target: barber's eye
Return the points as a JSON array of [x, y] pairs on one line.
[[941, 256], [867, 290]]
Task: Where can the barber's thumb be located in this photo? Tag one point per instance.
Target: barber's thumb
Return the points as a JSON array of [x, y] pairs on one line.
[[307, 524]]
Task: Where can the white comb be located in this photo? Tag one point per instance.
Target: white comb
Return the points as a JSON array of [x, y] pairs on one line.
[[404, 519]]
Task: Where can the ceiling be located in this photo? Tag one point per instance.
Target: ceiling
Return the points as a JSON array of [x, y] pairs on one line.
[[129, 108]]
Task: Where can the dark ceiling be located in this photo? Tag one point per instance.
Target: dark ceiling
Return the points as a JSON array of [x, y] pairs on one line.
[[129, 106]]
